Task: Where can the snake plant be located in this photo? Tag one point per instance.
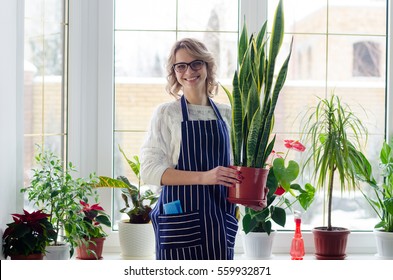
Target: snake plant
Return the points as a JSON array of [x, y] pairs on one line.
[[255, 93]]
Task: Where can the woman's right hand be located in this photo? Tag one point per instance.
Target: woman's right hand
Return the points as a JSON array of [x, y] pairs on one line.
[[221, 175]]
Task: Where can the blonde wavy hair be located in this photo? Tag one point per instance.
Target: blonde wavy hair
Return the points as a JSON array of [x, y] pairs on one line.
[[198, 50]]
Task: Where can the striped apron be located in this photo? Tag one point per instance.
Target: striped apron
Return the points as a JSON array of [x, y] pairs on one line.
[[206, 229]]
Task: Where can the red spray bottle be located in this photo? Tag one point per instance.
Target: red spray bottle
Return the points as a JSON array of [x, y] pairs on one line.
[[297, 246]]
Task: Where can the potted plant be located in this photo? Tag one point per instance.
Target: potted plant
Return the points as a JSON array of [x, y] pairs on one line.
[[88, 232], [382, 201], [257, 225], [136, 233], [27, 236], [253, 100], [334, 133], [54, 190]]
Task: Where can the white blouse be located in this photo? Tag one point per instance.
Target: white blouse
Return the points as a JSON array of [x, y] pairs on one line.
[[161, 148]]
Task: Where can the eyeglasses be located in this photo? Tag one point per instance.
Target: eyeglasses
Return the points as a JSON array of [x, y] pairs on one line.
[[182, 67]]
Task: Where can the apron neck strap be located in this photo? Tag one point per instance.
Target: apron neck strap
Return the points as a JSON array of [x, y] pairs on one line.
[[184, 108]]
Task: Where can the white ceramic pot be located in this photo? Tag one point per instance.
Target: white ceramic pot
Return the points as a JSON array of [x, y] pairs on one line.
[[60, 252], [137, 241], [258, 245], [384, 242]]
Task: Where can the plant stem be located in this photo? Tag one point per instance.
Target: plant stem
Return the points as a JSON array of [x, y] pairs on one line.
[[330, 197]]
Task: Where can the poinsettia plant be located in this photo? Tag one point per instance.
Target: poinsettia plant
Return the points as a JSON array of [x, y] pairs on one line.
[[94, 217], [28, 234], [87, 223], [280, 182]]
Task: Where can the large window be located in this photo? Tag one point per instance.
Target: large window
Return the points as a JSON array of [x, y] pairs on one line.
[[335, 50], [45, 78]]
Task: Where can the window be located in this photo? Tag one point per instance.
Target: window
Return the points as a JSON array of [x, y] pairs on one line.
[[45, 79], [321, 63], [335, 50], [366, 59]]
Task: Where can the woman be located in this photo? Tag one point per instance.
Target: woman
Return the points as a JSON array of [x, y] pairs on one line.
[[187, 152]]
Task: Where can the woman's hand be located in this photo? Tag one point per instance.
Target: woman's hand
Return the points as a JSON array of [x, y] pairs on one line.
[[221, 175]]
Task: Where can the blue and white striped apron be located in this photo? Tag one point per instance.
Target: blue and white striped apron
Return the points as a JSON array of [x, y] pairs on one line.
[[206, 229]]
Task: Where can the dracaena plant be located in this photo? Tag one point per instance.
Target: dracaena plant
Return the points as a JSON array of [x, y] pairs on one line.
[[281, 183], [138, 203], [28, 234], [335, 136], [255, 93]]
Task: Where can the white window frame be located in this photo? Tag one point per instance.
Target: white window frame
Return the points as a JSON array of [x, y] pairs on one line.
[[91, 103]]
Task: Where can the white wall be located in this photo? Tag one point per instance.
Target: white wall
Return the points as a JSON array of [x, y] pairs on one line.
[[11, 81]]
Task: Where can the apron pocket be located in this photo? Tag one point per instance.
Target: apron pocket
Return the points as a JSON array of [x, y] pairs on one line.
[[179, 230], [232, 226]]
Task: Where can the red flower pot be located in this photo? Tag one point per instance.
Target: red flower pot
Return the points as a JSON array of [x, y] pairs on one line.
[[252, 190], [82, 251], [330, 244]]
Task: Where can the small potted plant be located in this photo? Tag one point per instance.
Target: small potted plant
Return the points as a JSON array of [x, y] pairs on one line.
[[334, 134], [257, 225], [27, 236], [54, 190], [136, 233], [88, 230], [382, 199], [253, 100]]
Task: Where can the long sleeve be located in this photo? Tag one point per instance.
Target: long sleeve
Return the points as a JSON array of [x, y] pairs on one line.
[[158, 150]]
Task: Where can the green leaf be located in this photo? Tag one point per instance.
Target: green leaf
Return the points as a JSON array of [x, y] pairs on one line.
[[285, 175], [306, 198], [278, 215], [389, 205], [103, 219], [107, 182], [248, 223]]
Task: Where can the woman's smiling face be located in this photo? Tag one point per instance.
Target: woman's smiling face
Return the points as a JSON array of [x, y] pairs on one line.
[[190, 79]]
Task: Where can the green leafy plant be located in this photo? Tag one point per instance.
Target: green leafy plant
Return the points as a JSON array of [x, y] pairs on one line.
[[137, 203], [280, 182], [382, 204], [28, 234], [255, 93], [334, 133], [86, 226], [54, 190]]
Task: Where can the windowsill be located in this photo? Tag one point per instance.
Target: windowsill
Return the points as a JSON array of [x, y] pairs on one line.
[[117, 256], [360, 245]]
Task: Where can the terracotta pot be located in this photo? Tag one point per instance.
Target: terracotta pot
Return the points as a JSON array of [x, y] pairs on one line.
[[38, 256], [330, 244], [252, 190], [82, 251]]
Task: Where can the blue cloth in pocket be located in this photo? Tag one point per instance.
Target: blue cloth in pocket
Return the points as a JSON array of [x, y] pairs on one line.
[[173, 207]]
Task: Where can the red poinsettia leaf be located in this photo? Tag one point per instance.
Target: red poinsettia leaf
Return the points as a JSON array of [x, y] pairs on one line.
[[96, 207], [84, 204]]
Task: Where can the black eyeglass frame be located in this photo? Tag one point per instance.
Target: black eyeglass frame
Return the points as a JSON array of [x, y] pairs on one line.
[[189, 65]]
